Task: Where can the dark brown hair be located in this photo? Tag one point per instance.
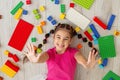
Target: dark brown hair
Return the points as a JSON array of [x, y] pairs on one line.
[[67, 27]]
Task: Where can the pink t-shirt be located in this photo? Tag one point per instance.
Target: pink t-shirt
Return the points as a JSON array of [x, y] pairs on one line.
[[61, 66]]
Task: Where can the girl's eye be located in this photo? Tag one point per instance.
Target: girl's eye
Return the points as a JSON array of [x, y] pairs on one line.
[[66, 39], [58, 37]]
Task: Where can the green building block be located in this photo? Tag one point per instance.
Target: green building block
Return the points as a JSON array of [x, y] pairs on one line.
[[37, 16], [89, 30], [33, 39], [84, 3], [62, 8], [15, 9], [39, 50], [110, 75], [107, 46], [35, 11]]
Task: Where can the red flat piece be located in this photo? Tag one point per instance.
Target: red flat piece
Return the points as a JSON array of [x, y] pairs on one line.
[[20, 35]]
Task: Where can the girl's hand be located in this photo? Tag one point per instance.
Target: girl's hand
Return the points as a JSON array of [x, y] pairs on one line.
[[92, 58], [31, 53]]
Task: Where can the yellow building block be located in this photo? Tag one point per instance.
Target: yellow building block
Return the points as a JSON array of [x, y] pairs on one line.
[[116, 33], [62, 16], [42, 8], [6, 52], [77, 29], [99, 61], [8, 71], [39, 29], [18, 14]]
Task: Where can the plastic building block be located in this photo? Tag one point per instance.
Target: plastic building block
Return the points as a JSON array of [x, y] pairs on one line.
[[9, 69], [25, 12], [0, 16], [33, 39], [94, 30], [18, 14], [72, 5], [95, 42], [112, 75], [28, 2], [62, 8], [99, 22], [110, 22], [104, 62], [13, 56], [20, 35], [53, 22], [39, 29], [57, 1], [42, 8], [49, 18], [107, 46], [77, 18], [111, 79], [79, 46], [42, 23], [35, 11], [19, 5], [39, 50], [84, 3], [37, 16], [99, 61], [77, 29], [62, 16], [89, 30], [88, 35], [94, 37], [116, 33], [52, 0], [101, 66]]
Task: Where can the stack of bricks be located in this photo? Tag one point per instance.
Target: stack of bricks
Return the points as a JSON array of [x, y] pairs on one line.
[[9, 69]]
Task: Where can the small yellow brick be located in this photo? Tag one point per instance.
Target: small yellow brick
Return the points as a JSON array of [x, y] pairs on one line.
[[116, 33], [62, 16], [6, 52], [18, 14], [39, 29], [77, 29], [42, 8], [99, 61]]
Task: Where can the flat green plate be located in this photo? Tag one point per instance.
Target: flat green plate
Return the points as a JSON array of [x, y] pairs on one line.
[[107, 46], [84, 3]]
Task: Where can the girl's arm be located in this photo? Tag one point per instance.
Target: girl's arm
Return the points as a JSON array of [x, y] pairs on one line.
[[87, 63], [41, 57]]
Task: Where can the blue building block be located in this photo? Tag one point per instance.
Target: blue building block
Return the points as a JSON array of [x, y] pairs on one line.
[[57, 1], [104, 62], [95, 42], [111, 20], [94, 37], [94, 30], [25, 12], [49, 18], [53, 22]]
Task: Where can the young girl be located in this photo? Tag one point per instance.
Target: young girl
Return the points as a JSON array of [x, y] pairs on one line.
[[62, 59]]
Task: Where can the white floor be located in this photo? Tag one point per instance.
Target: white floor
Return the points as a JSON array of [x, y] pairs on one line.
[[100, 8]]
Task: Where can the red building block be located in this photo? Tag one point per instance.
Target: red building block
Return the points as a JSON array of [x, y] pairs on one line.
[[72, 5], [15, 57], [20, 35], [99, 22], [12, 66], [88, 35], [28, 2]]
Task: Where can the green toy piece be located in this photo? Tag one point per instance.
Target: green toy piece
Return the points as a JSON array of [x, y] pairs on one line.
[[84, 3], [33, 39], [19, 5], [111, 75], [39, 50], [62, 6], [107, 46]]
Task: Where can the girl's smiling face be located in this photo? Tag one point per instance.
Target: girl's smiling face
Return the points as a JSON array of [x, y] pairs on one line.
[[62, 40]]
